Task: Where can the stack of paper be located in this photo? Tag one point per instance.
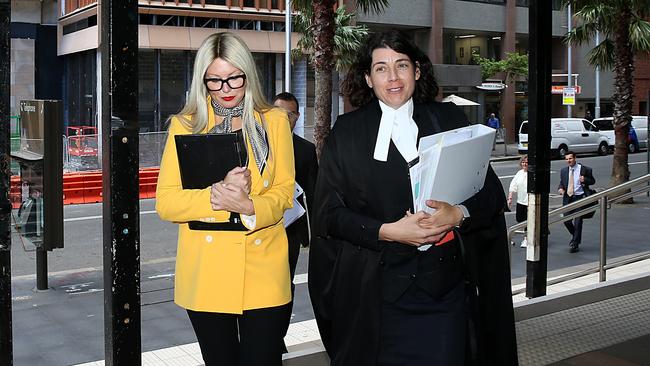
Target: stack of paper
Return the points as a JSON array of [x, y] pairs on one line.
[[295, 212], [452, 165]]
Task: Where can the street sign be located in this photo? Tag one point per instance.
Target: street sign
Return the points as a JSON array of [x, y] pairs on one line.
[[491, 86], [569, 96], [559, 89]]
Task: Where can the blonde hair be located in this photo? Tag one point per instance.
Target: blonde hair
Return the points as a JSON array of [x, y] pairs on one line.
[[232, 49], [522, 158]]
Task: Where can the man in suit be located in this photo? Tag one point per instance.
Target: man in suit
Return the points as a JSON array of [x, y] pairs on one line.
[[306, 166], [304, 153], [575, 180]]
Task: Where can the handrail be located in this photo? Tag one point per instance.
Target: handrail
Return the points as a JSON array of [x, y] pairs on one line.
[[584, 206]]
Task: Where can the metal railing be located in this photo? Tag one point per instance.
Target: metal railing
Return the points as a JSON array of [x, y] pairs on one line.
[[81, 152], [600, 202]]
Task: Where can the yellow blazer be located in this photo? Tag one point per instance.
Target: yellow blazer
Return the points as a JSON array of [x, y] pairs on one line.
[[232, 271]]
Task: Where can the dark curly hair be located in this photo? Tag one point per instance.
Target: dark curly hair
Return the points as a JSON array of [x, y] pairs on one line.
[[355, 86]]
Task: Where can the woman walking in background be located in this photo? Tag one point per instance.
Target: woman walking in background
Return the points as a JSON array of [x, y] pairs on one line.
[[518, 186]]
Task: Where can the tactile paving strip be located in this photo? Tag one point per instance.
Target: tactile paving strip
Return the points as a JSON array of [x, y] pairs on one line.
[[557, 336]]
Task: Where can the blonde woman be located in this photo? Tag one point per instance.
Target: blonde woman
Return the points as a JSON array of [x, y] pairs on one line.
[[518, 186], [235, 285]]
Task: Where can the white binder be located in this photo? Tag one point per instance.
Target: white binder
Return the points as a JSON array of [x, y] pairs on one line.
[[452, 165]]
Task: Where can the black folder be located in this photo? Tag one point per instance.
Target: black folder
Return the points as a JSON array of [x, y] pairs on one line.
[[205, 159]]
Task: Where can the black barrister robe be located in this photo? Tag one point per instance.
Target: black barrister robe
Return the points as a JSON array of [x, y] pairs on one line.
[[355, 195]]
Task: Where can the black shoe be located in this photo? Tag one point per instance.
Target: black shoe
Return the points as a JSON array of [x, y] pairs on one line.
[[574, 248]]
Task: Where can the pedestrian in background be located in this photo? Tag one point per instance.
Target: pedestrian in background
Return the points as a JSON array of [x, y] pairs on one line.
[[388, 285], [518, 186], [306, 164], [234, 284], [575, 180], [493, 122]]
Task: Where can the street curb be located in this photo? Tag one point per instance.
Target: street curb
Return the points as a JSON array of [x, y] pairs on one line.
[[505, 158]]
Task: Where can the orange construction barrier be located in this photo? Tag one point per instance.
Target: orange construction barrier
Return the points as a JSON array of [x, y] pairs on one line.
[[15, 193], [86, 187]]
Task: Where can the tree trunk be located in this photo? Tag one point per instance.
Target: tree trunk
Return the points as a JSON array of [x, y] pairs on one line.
[[623, 93], [322, 108], [323, 24]]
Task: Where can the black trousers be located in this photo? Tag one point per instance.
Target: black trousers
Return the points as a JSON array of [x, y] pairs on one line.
[[418, 330], [521, 213], [575, 226], [253, 338], [294, 253]]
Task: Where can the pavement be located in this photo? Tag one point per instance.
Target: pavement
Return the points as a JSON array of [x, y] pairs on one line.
[[590, 334], [614, 330]]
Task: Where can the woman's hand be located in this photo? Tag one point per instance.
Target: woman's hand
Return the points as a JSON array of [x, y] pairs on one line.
[[241, 177], [408, 230], [444, 219], [509, 199], [231, 197]]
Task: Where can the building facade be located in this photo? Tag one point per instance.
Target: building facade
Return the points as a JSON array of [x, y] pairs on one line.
[[54, 53], [170, 32], [33, 52]]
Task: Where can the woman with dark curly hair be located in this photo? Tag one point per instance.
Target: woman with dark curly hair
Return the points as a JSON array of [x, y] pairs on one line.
[[390, 286]]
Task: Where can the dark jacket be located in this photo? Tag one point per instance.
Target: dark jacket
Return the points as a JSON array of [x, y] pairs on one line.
[[355, 195], [304, 153], [564, 181]]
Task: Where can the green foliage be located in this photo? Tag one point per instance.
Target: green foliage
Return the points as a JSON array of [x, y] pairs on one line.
[[347, 38], [603, 16], [374, 6], [514, 65]]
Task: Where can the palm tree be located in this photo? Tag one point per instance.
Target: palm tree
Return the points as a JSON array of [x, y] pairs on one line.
[[624, 33], [348, 38], [323, 28]]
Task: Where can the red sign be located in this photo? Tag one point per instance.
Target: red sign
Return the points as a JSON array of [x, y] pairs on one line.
[[559, 89]]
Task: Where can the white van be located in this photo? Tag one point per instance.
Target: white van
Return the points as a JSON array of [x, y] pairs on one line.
[[575, 134], [640, 124]]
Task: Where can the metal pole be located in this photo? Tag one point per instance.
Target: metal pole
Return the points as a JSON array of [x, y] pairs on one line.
[[597, 108], [121, 225], [539, 139], [287, 46], [568, 58], [41, 269], [6, 340], [602, 274]]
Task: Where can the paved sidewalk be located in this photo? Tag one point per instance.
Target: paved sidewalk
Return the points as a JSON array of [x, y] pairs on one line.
[[304, 335], [505, 152]]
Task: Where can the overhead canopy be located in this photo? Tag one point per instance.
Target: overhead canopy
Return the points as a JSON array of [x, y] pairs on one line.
[[458, 100]]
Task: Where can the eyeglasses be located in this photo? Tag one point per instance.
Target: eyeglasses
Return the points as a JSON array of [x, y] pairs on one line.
[[216, 84]]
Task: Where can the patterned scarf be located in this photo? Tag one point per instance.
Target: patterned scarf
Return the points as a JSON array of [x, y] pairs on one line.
[[255, 133]]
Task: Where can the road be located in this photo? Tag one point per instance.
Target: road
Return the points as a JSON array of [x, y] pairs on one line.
[[64, 325]]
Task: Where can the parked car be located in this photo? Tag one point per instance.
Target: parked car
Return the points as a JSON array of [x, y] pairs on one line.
[[639, 124], [575, 134]]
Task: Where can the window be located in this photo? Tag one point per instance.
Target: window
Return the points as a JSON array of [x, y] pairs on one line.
[[574, 126], [604, 124], [173, 71], [80, 93], [147, 90]]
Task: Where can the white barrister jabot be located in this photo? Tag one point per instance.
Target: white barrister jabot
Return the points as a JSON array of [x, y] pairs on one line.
[[398, 125]]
